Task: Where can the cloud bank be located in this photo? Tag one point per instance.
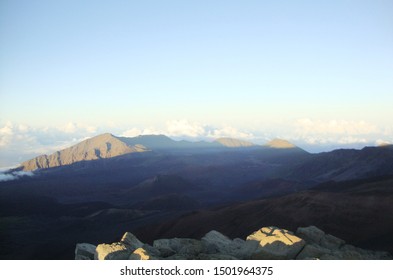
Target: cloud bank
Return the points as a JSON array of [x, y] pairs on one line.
[[189, 129], [344, 132], [20, 142]]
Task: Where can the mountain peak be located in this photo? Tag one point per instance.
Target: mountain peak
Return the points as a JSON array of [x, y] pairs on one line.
[[234, 143], [280, 144], [101, 146]]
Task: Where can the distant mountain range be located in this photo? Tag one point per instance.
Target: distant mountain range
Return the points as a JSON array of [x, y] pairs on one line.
[[108, 146]]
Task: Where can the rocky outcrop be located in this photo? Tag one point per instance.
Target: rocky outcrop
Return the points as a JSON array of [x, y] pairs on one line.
[[267, 243], [119, 250], [328, 247]]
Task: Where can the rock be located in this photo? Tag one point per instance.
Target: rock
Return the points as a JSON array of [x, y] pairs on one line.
[[272, 243], [191, 249], [349, 252], [312, 251], [114, 251], [131, 241], [314, 235], [337, 252], [85, 251], [151, 250], [349, 255], [164, 247], [141, 254], [331, 242], [268, 243], [182, 246], [215, 242], [310, 234]]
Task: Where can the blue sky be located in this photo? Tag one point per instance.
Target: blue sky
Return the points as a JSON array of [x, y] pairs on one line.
[[318, 72]]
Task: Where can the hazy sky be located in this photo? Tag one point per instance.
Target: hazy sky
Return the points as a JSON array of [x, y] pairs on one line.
[[320, 72]]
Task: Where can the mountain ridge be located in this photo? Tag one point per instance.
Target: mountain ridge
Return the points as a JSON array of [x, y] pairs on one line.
[[107, 145], [102, 146]]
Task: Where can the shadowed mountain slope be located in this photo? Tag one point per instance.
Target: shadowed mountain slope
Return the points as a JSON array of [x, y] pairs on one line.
[[160, 185], [361, 213], [346, 164]]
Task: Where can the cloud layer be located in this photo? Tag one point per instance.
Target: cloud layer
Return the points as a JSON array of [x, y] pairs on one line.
[[188, 129], [319, 132], [20, 142]]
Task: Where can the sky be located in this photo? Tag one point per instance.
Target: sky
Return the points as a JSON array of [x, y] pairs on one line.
[[318, 73]]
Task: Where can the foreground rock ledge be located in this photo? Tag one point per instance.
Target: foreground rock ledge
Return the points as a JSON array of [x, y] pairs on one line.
[[267, 243]]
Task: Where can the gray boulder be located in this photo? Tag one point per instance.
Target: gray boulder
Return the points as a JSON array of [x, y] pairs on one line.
[[349, 252], [314, 235], [151, 250], [179, 246], [312, 251], [331, 242], [310, 234], [215, 242], [85, 251], [131, 241]]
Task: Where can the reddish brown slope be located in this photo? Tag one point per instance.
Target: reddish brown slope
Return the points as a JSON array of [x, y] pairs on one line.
[[360, 219]]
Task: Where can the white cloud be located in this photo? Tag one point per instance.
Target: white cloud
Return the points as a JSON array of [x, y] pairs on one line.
[[14, 175], [23, 128], [91, 129], [20, 142], [133, 132], [69, 128], [73, 127], [334, 127], [345, 132], [381, 142], [388, 131], [184, 128], [351, 140], [187, 129], [6, 133], [6, 177], [229, 131]]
